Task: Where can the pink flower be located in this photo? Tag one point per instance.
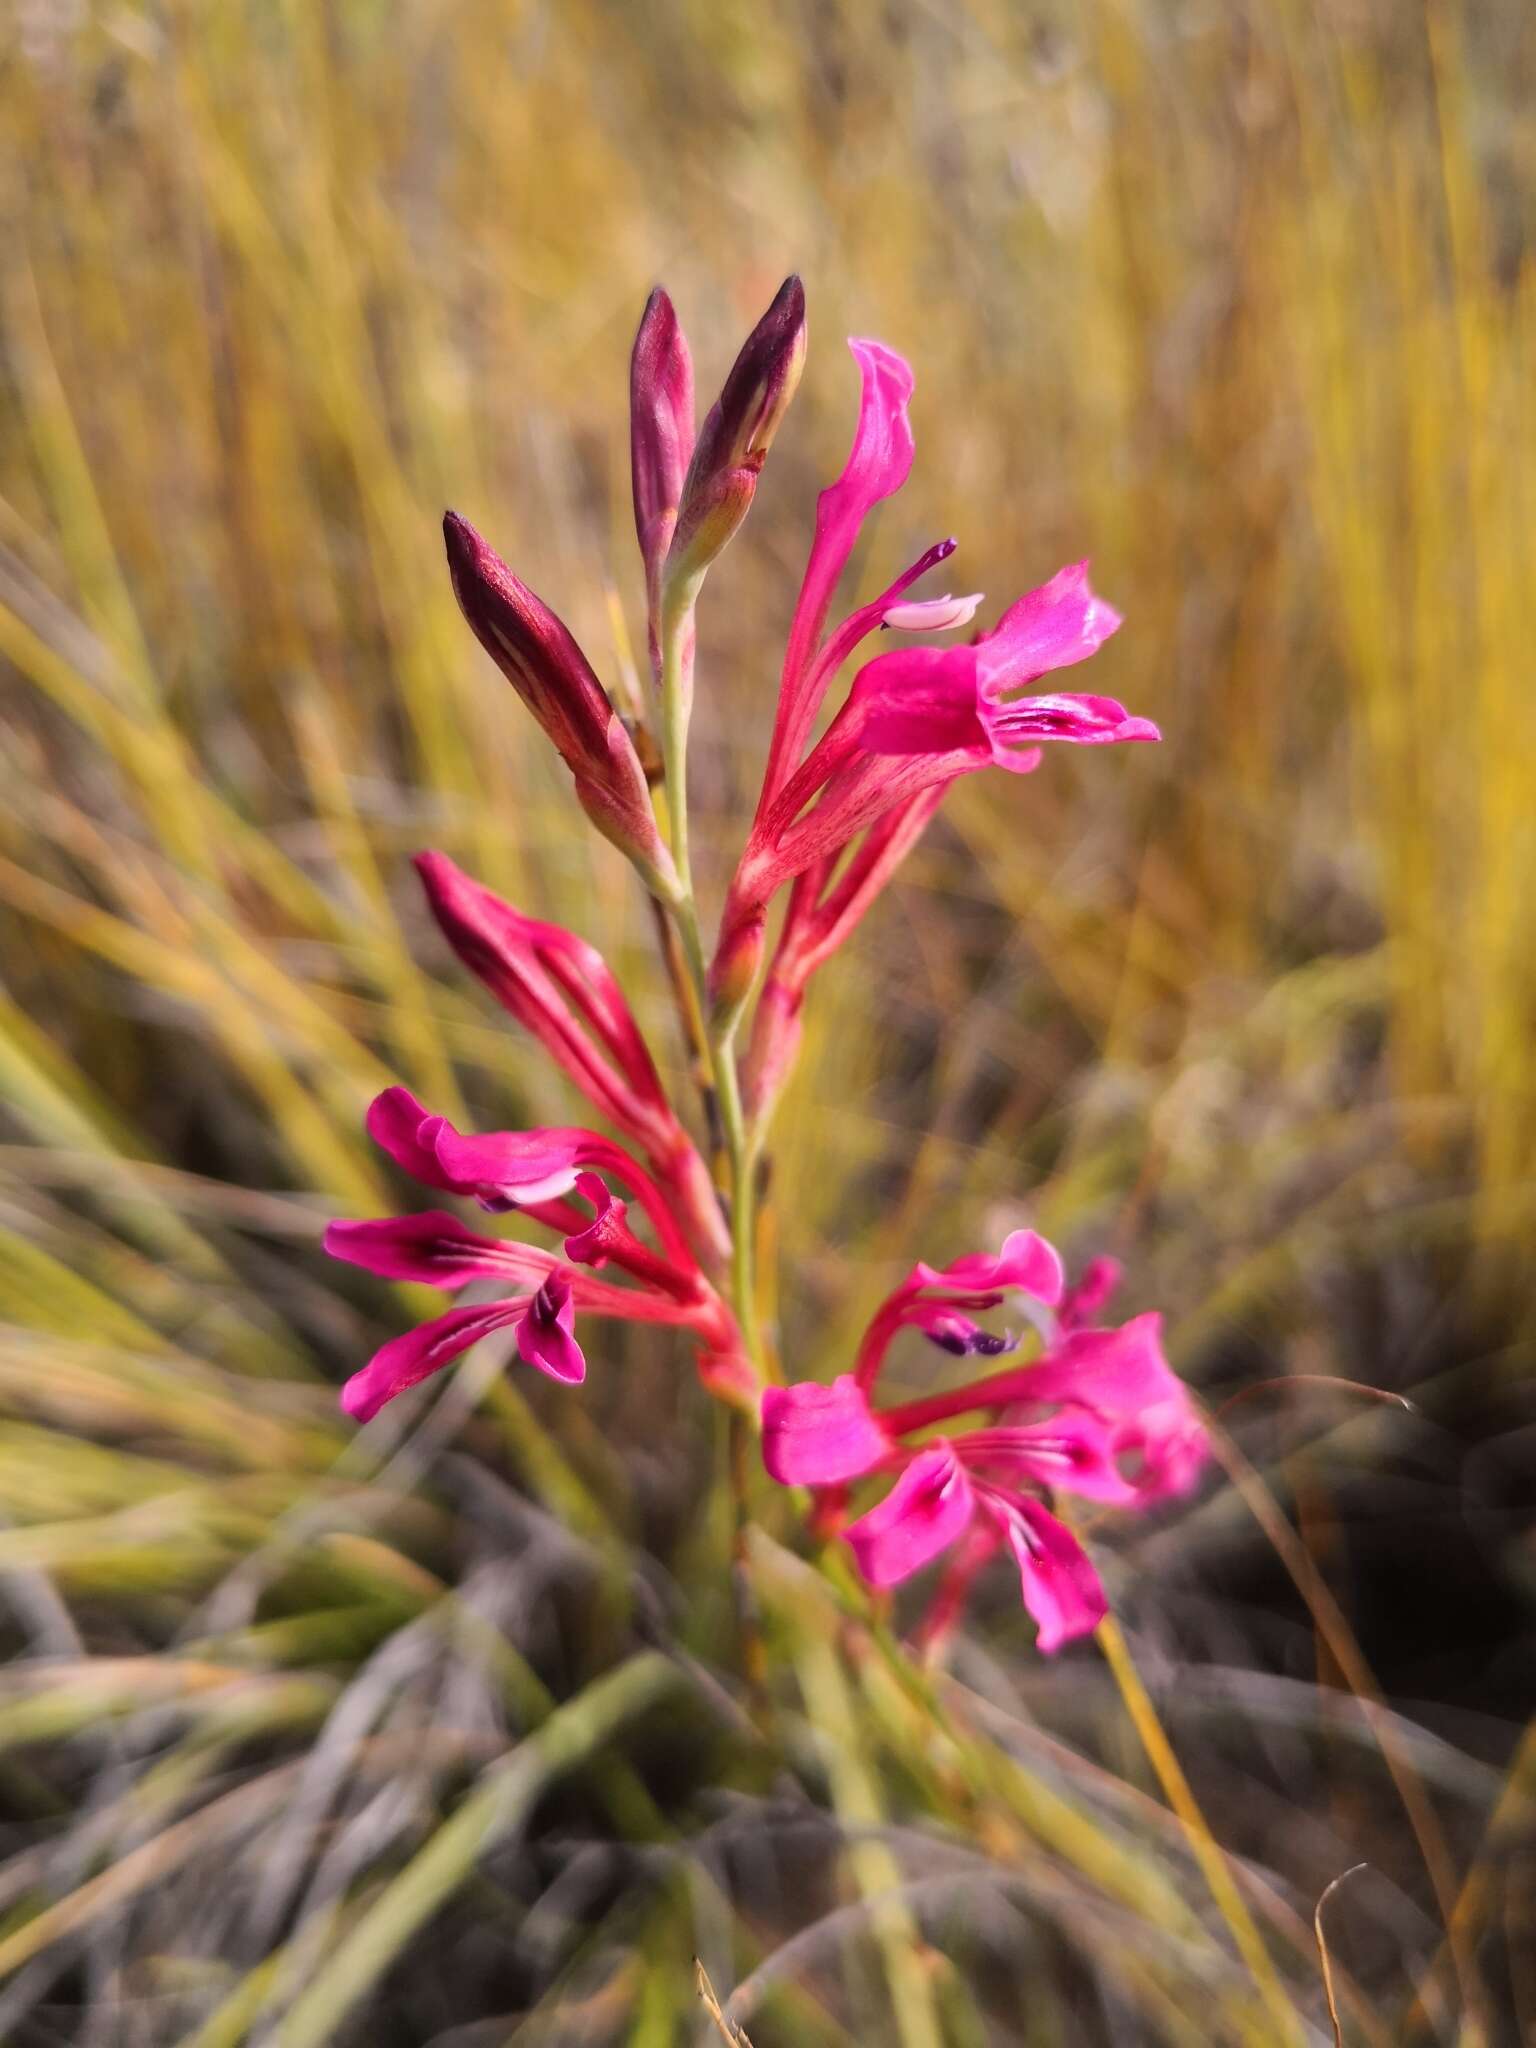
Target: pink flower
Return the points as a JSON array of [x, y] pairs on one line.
[[542, 662], [1100, 1415], [935, 700], [916, 719], [562, 990], [542, 1323], [538, 1172]]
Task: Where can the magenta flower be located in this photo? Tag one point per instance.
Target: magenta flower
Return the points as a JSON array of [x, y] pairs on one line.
[[540, 659], [935, 700], [916, 719], [1100, 1415], [537, 1172]]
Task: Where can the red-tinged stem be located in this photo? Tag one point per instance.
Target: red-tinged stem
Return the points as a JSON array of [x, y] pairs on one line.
[[996, 1391]]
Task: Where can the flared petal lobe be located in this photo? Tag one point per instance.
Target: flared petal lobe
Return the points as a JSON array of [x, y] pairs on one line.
[[494, 1168], [1118, 1373], [924, 1512], [407, 1360], [815, 1435], [435, 1249], [933, 700], [544, 1333], [1061, 1589], [1060, 623], [1026, 1262]]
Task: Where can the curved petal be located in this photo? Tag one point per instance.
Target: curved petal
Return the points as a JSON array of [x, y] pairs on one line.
[[1118, 1373], [1081, 721], [1026, 1262], [544, 1338], [516, 1166], [815, 1435], [434, 1248], [396, 1122], [606, 1232], [1074, 1450], [1168, 1445], [927, 1508], [1097, 1282], [878, 464], [1061, 623], [407, 1360], [1061, 1588]]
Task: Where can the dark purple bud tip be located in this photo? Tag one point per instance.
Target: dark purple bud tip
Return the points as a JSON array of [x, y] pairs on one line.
[[962, 1338]]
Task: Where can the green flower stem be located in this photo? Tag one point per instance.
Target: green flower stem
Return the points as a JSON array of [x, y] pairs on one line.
[[676, 692]]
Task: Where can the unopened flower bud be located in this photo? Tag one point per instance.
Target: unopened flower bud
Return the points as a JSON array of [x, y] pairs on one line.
[[660, 428], [737, 433], [543, 663]]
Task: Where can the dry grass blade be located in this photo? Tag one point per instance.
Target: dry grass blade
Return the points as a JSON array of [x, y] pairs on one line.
[[1323, 1958], [729, 2032]]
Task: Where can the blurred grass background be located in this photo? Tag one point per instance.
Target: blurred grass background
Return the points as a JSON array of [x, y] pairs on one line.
[[428, 1734]]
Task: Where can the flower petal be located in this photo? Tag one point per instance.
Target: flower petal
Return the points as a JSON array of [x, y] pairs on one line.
[[397, 1124], [1061, 623], [918, 700], [1169, 1445], [1061, 1588], [407, 1360], [1026, 1262], [1118, 1373], [927, 1508], [815, 1435], [515, 1166], [1098, 1281], [607, 1230], [878, 464], [1081, 721], [435, 1248], [544, 1338], [1074, 1450]]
